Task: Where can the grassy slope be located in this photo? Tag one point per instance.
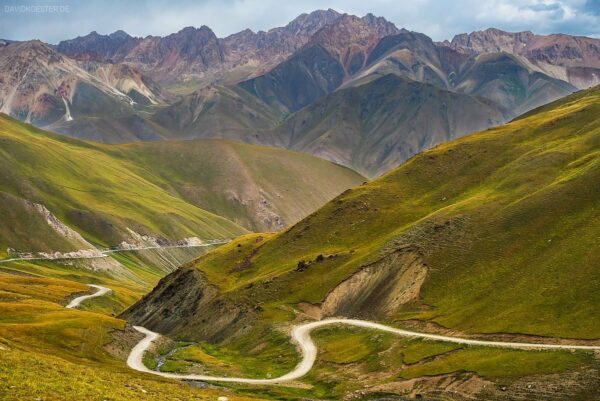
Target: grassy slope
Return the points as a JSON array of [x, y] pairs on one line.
[[230, 178], [52, 353], [512, 186], [165, 189], [522, 261], [77, 180], [518, 256]]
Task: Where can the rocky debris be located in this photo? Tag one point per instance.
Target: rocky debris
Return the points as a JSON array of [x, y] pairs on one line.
[[246, 263], [80, 254], [380, 288], [302, 265], [66, 231], [122, 341], [139, 241], [437, 234]]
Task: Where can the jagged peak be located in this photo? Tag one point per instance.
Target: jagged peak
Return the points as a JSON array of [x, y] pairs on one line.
[[192, 30], [120, 34], [307, 18], [488, 31]]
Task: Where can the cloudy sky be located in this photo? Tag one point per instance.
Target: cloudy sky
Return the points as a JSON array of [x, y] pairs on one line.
[[440, 19]]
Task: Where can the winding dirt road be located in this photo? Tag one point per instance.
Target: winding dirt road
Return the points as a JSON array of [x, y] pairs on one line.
[[101, 291], [308, 349]]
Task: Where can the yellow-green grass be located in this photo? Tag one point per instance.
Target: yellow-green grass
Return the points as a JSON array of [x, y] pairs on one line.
[[207, 173], [496, 363], [28, 375], [174, 189], [125, 290], [37, 320], [350, 359], [521, 259], [272, 357], [417, 358], [52, 353], [196, 354], [83, 185]]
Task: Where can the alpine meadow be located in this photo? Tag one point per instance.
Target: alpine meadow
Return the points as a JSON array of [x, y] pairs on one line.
[[248, 200]]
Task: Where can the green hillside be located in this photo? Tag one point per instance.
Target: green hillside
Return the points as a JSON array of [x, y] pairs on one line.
[[171, 191], [259, 188], [503, 220], [494, 234], [84, 187]]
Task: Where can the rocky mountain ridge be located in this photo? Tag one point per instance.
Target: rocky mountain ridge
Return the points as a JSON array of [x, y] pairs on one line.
[[578, 56], [197, 54], [41, 86]]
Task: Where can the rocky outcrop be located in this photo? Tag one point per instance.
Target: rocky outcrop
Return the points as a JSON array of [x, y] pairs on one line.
[[556, 49], [379, 289], [269, 48], [67, 232], [185, 304], [349, 39]]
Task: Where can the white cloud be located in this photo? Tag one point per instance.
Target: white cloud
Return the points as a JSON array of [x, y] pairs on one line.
[[440, 19]]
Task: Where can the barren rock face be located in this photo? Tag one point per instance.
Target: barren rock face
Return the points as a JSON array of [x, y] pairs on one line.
[[197, 54], [577, 53], [379, 289], [194, 52], [41, 86], [350, 39]]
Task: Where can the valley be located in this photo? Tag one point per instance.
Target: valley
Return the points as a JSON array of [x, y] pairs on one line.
[[335, 208], [430, 262]]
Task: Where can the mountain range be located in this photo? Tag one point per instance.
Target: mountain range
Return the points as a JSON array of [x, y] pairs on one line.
[[258, 87]]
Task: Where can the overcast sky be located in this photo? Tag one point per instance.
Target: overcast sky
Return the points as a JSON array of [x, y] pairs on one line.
[[437, 18]]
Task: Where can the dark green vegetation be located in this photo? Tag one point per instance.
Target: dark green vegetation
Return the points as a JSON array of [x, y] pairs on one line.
[[493, 233], [170, 191]]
